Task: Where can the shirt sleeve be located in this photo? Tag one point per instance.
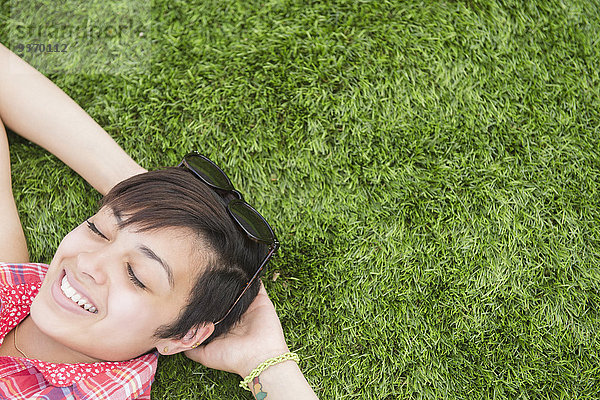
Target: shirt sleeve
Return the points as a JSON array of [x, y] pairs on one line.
[[17, 274], [145, 395]]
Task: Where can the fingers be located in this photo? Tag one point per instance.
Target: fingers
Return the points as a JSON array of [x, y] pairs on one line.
[[262, 289]]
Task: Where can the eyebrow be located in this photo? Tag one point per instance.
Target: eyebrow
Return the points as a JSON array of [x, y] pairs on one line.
[[149, 253], [152, 255]]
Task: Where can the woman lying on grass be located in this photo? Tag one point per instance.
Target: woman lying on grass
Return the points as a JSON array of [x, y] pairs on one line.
[[165, 266]]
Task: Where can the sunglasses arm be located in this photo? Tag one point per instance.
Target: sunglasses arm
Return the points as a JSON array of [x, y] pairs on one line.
[[272, 249]]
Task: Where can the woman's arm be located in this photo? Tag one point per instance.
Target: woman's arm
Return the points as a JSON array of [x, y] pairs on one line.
[[13, 247], [256, 338], [35, 108], [282, 381]]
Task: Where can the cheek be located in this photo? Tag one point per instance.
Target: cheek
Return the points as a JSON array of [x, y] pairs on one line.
[[130, 310], [123, 304], [71, 244]]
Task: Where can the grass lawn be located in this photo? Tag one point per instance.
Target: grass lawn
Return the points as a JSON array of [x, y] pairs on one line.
[[432, 169]]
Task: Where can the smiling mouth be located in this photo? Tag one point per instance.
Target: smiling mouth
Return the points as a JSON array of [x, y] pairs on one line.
[[75, 297]]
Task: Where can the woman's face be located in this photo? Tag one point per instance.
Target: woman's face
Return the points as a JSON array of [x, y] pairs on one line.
[[131, 284]]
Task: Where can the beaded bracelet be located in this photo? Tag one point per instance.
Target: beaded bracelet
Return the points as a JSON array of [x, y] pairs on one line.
[[266, 364]]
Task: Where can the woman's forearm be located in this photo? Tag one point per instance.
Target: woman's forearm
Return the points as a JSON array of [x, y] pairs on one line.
[[282, 381], [35, 108], [13, 247]]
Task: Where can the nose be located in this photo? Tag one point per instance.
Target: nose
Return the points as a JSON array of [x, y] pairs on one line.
[[92, 265]]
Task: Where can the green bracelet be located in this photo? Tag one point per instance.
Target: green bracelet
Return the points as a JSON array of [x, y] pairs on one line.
[[266, 364]]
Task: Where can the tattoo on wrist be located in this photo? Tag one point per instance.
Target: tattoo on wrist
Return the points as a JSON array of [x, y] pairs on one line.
[[257, 389]]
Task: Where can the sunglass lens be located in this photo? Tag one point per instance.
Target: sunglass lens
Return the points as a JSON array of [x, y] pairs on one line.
[[209, 172], [252, 222]]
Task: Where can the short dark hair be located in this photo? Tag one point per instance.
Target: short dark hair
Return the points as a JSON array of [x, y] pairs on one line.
[[174, 198]]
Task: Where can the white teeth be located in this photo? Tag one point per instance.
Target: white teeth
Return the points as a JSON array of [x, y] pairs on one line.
[[76, 297]]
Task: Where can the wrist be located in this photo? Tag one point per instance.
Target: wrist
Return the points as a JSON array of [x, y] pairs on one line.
[[281, 372], [252, 362]]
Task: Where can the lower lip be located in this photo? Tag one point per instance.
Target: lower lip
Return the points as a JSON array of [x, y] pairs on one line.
[[63, 300]]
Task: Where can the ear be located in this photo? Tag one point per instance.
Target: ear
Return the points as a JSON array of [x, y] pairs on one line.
[[193, 338]]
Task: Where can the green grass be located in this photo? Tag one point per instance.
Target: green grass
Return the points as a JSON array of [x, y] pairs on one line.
[[431, 167]]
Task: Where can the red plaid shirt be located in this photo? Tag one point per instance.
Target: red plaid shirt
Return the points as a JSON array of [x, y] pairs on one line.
[[22, 378]]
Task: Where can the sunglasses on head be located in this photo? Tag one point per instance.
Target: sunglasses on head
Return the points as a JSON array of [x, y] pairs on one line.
[[247, 218]]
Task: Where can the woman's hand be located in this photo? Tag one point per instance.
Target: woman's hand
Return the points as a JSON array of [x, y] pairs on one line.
[[256, 338]]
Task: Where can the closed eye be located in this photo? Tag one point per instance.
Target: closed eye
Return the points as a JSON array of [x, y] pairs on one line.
[[94, 229], [134, 278], [130, 272]]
